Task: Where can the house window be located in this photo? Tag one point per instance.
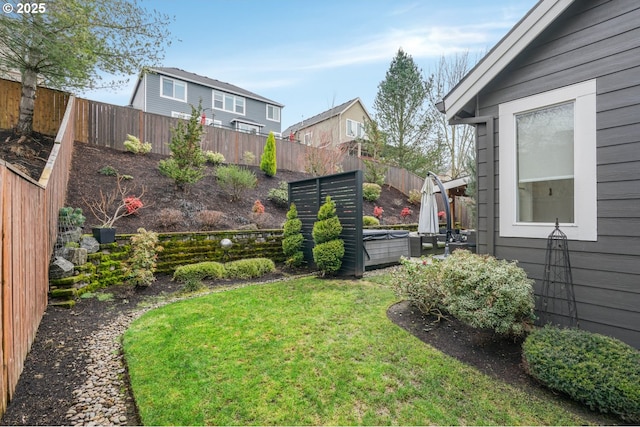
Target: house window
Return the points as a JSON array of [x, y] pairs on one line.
[[548, 163], [179, 115], [173, 89], [355, 129], [307, 138], [244, 127], [273, 113], [228, 102]]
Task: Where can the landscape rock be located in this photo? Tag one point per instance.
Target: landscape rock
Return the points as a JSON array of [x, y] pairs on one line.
[[77, 256], [90, 244], [60, 268]]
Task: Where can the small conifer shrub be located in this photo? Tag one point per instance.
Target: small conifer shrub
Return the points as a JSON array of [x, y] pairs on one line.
[[268, 160], [329, 248], [293, 238]]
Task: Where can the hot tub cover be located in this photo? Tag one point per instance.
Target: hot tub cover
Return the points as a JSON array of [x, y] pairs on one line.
[[369, 234]]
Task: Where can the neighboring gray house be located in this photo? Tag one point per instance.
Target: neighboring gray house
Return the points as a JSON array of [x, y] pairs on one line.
[[172, 91], [556, 105]]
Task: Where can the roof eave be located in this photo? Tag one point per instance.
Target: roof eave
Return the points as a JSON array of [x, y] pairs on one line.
[[224, 89], [520, 36]]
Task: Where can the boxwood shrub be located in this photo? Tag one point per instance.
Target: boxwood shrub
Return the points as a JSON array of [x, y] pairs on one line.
[[598, 371]]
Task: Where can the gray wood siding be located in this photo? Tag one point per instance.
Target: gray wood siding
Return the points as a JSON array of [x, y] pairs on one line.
[[591, 40], [254, 110]]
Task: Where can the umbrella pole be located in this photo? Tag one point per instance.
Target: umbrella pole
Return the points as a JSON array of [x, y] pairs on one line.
[[445, 199]]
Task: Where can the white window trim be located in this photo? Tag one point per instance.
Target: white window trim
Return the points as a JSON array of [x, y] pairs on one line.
[[585, 225], [233, 107], [275, 107], [174, 81], [308, 138]]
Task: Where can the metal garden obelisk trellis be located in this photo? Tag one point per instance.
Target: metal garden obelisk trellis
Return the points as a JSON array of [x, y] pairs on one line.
[[558, 298]]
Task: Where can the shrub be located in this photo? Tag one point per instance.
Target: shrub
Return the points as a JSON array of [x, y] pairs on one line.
[[249, 268], [329, 249], [70, 217], [186, 164], [258, 207], [108, 171], [133, 145], [169, 217], [485, 292], [598, 371], [375, 171], [234, 180], [371, 192], [268, 161], [368, 221], [292, 238], [214, 158], [406, 212], [132, 204], [210, 220], [415, 196], [199, 271], [192, 285], [142, 262], [420, 284], [279, 195], [248, 157], [264, 220], [328, 256], [377, 212]]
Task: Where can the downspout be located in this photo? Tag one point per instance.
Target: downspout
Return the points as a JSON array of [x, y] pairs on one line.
[[491, 176]]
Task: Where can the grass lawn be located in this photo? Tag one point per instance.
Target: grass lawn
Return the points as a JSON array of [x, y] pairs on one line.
[[308, 352]]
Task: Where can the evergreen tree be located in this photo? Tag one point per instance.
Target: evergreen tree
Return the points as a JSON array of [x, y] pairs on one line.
[[187, 161], [268, 160], [71, 44], [402, 114]]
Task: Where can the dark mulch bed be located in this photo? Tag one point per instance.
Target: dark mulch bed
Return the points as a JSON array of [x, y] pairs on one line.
[[29, 155], [86, 182], [54, 366]]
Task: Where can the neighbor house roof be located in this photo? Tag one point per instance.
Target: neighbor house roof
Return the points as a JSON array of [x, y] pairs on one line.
[[335, 111], [460, 100], [204, 81]]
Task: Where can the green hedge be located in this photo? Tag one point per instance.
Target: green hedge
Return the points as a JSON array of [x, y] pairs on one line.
[[599, 371]]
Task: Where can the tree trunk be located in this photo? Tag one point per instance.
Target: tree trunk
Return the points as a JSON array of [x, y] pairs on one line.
[[27, 102]]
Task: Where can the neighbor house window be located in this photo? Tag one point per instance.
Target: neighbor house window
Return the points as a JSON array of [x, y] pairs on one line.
[[244, 127], [273, 113], [355, 129], [228, 102], [307, 138], [173, 89], [548, 163]]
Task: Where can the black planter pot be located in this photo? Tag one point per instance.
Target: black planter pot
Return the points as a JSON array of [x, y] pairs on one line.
[[104, 234]]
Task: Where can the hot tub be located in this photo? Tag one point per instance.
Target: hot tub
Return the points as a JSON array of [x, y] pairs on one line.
[[384, 247]]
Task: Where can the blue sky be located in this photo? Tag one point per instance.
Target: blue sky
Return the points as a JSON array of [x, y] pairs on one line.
[[313, 55]]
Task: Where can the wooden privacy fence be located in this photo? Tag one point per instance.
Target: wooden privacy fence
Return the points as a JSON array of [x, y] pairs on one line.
[[49, 107], [108, 125], [28, 221]]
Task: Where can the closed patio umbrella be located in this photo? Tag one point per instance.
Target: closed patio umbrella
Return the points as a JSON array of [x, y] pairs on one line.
[[428, 219]]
